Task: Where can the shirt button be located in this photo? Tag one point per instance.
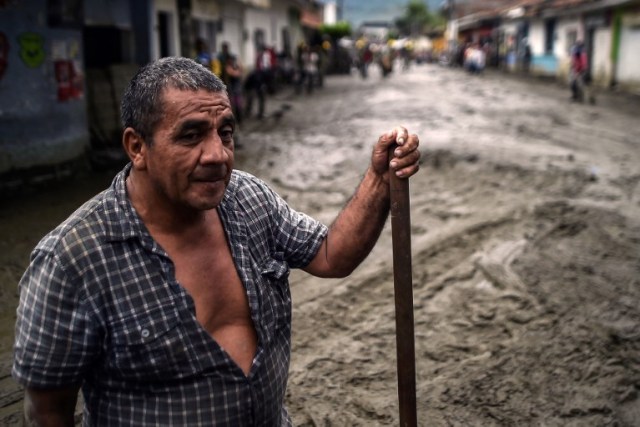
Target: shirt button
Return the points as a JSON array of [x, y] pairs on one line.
[[144, 333]]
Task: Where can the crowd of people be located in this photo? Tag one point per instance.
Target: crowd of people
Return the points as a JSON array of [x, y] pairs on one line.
[[380, 53], [250, 86], [304, 70]]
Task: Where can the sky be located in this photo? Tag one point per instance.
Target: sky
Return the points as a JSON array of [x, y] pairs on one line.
[[357, 11]]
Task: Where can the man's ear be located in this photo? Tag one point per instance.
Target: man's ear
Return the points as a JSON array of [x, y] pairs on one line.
[[135, 147]]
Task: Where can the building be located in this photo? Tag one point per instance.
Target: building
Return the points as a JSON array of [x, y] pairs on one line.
[[610, 30], [64, 65]]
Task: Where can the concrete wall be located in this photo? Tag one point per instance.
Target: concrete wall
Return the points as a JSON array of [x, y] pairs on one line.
[[280, 20], [206, 14], [255, 20], [108, 13], [169, 8], [43, 118], [628, 67], [601, 67], [536, 38], [232, 14], [542, 62]]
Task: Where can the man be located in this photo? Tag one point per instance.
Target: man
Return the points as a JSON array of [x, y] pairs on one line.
[[578, 71], [166, 297], [260, 81], [205, 58], [231, 76]]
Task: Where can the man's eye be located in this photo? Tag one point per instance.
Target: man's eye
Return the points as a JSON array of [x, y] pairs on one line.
[[190, 136], [226, 134]]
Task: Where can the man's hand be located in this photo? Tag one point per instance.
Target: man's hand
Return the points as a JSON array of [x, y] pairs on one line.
[[357, 228], [406, 156]]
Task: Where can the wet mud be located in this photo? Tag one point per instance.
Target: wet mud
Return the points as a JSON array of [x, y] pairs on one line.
[[525, 250]]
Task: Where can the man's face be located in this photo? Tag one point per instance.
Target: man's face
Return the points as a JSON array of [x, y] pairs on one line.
[[190, 160]]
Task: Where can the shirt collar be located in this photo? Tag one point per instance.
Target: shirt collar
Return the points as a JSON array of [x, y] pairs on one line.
[[122, 221]]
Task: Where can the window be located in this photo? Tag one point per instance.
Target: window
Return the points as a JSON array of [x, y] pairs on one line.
[[259, 38], [65, 13], [164, 36], [207, 31], [550, 35]]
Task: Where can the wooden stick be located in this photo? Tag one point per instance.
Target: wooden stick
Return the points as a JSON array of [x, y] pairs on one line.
[[403, 288]]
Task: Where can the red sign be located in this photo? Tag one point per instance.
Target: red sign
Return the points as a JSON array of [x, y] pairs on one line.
[[69, 80]]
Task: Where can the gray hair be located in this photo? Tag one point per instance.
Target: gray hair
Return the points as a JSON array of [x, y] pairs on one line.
[[142, 107]]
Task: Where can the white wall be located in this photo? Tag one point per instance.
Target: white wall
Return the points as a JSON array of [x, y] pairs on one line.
[[279, 21], [536, 37], [207, 14], [271, 22], [256, 19], [628, 67], [564, 29], [601, 68], [232, 30], [168, 6], [205, 9], [330, 13]]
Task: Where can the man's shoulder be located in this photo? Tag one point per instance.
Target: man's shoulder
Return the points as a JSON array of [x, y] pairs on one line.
[[86, 224], [245, 184]]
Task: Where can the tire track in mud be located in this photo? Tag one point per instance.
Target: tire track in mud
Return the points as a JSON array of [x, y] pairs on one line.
[[526, 265], [492, 344]]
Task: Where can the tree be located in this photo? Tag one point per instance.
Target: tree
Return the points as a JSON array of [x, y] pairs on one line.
[[337, 30], [417, 19]]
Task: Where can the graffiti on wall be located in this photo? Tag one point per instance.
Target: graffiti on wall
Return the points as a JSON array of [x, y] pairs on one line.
[[67, 69], [4, 53], [31, 49]]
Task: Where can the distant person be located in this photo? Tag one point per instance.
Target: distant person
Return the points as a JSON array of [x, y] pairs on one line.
[[578, 74], [231, 74], [364, 57], [266, 64], [475, 59], [165, 298], [207, 58], [526, 58], [259, 81], [308, 68]]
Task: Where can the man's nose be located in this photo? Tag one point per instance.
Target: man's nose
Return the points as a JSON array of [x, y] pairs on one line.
[[213, 150]]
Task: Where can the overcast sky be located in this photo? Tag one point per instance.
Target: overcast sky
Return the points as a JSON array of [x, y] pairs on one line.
[[357, 11]]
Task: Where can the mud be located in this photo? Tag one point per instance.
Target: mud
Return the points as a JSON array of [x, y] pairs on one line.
[[525, 250]]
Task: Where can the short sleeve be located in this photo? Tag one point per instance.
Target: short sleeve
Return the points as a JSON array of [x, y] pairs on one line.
[[297, 235], [55, 340]]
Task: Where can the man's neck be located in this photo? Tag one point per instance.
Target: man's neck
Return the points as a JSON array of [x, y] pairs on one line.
[[159, 215]]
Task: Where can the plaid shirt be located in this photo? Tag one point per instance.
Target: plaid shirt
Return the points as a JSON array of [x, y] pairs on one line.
[[100, 306]]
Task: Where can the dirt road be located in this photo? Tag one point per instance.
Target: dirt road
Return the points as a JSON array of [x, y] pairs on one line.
[[526, 251]]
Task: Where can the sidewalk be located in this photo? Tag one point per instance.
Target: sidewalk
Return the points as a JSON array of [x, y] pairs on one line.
[[609, 96]]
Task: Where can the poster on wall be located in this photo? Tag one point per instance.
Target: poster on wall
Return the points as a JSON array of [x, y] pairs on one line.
[[67, 70]]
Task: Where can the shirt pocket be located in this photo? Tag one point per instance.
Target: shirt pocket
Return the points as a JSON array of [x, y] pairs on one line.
[[151, 345], [275, 296]]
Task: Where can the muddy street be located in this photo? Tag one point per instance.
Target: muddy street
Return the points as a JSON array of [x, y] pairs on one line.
[[525, 246]]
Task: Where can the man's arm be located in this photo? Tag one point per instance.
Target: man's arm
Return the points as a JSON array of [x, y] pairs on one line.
[[357, 228], [50, 407]]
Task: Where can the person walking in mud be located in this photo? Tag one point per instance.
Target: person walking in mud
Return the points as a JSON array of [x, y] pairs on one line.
[[231, 75], [165, 297], [578, 74]]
